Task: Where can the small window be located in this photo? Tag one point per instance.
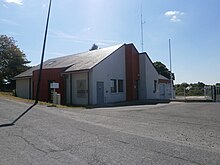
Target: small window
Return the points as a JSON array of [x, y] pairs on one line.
[[120, 86], [81, 88], [113, 86], [155, 86]]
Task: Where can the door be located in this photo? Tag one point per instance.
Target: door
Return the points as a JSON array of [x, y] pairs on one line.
[[100, 92], [137, 89], [162, 91], [50, 92]]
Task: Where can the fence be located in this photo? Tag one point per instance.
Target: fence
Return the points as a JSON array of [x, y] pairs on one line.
[[209, 92], [212, 92]]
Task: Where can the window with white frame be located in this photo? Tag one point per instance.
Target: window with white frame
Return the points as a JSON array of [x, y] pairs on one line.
[[117, 86], [120, 86], [113, 86]]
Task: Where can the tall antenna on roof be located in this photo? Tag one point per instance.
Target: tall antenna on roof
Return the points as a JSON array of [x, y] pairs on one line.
[[142, 31]]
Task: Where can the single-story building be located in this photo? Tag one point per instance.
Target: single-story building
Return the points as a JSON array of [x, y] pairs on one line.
[[165, 88], [107, 75]]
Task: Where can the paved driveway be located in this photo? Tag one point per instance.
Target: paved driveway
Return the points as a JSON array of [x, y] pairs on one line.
[[175, 133]]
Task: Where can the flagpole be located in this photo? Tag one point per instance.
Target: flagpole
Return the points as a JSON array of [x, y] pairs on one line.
[[171, 75]]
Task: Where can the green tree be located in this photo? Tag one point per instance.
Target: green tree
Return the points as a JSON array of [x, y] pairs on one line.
[[12, 60], [192, 89], [162, 69], [181, 88]]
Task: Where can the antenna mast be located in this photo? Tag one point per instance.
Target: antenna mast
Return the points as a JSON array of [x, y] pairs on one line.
[[142, 32]]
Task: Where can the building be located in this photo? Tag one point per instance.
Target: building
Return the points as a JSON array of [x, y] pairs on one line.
[[114, 74], [164, 88], [148, 79]]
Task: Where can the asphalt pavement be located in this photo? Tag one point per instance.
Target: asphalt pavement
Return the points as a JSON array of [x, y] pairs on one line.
[[174, 133]]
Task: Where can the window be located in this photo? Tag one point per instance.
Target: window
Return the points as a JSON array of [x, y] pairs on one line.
[[81, 88], [117, 86], [155, 86], [120, 86], [113, 86]]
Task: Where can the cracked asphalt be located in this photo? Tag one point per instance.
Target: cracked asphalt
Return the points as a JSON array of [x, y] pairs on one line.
[[175, 133]]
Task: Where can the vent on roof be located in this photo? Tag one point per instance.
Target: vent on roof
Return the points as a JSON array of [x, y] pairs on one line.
[[50, 62]]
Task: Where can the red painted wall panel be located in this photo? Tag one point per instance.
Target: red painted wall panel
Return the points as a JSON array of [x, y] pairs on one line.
[[47, 76], [132, 71]]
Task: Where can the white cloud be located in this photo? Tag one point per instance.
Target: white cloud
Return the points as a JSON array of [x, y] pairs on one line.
[[14, 34], [44, 5], [174, 15], [5, 6], [18, 2], [77, 39], [7, 21], [86, 29]]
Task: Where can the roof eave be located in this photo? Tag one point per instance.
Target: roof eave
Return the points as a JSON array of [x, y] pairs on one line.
[[76, 71], [22, 77]]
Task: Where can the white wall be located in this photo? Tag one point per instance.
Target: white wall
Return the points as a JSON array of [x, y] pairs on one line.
[[67, 87], [164, 91], [23, 87], [148, 74], [113, 67]]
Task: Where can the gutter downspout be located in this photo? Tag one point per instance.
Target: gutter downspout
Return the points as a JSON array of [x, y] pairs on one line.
[[71, 88], [88, 86]]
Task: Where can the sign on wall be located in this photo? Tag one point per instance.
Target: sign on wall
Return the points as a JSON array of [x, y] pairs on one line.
[[54, 85]]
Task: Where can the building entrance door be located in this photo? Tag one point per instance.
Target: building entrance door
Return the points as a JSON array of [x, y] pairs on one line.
[[100, 92], [162, 91]]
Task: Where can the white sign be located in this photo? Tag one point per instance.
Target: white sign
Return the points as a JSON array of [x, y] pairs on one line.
[[54, 85]]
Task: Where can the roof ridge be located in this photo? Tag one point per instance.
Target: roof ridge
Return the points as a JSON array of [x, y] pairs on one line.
[[84, 52]]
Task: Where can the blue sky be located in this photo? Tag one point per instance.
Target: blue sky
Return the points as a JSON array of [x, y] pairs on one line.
[[192, 25]]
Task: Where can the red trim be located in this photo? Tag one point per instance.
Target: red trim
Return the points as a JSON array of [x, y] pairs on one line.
[[163, 81]]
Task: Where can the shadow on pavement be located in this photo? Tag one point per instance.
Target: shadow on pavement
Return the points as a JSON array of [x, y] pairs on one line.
[[20, 116]]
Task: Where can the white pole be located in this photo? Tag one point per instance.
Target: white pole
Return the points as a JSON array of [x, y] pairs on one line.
[[171, 76], [142, 33]]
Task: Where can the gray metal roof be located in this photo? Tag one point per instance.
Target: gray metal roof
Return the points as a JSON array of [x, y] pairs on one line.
[[27, 73], [75, 62], [89, 59]]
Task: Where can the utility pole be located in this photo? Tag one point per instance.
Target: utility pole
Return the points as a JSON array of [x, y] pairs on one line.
[[39, 76]]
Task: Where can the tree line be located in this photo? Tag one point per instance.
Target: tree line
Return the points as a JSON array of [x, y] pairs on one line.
[[12, 60], [191, 89]]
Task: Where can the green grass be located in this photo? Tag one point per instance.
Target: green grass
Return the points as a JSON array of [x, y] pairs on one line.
[[9, 95]]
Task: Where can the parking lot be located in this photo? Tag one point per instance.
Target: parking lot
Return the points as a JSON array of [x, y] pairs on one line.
[[174, 133]]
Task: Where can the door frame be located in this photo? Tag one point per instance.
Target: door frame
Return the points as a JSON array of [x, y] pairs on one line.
[[102, 100]]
